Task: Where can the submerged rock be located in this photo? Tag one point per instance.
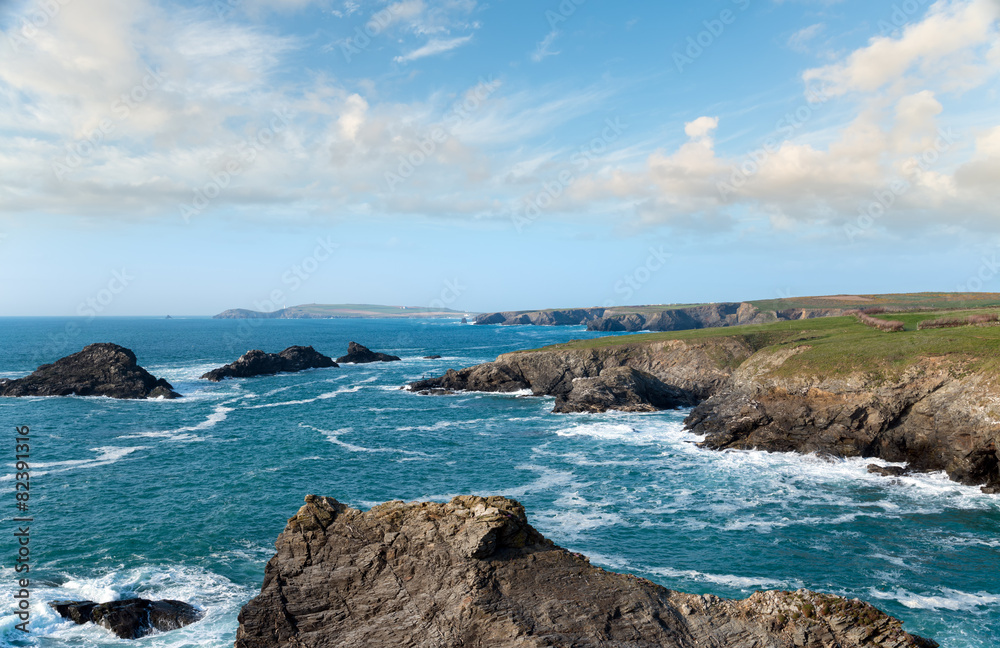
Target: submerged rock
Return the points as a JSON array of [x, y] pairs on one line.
[[102, 369], [357, 354], [131, 618], [258, 363], [473, 572], [432, 357]]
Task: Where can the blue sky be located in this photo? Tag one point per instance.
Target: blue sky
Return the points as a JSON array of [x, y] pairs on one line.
[[186, 158]]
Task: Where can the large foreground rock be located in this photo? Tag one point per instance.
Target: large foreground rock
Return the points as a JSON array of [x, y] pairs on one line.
[[131, 618], [473, 572], [98, 370], [358, 354], [258, 363]]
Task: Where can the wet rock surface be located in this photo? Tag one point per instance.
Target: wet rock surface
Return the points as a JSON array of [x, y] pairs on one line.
[[131, 618]]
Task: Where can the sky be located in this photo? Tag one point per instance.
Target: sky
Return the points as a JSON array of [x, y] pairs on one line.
[[162, 157]]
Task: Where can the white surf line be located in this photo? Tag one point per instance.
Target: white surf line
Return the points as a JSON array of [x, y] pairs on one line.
[[333, 436]]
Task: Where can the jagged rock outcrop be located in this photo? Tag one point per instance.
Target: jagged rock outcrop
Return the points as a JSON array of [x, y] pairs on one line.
[[474, 573], [358, 354], [257, 363], [691, 370], [623, 389], [933, 416], [131, 618], [101, 369]]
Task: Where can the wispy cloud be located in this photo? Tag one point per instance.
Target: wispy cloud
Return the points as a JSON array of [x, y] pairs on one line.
[[542, 51], [434, 47], [799, 41]]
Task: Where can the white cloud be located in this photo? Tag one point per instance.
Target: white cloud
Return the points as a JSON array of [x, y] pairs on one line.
[[543, 50], [434, 47], [940, 47]]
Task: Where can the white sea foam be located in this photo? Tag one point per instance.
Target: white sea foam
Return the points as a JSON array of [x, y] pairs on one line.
[[944, 599], [306, 401], [729, 580], [333, 436], [184, 434], [219, 599], [105, 455]]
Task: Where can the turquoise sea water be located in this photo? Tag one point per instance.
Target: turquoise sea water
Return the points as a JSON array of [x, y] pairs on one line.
[[183, 499]]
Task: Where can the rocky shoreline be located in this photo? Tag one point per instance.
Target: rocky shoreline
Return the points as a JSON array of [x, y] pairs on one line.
[[474, 572], [934, 416]]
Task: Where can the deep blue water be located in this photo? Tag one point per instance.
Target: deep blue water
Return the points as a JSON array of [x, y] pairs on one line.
[[183, 499]]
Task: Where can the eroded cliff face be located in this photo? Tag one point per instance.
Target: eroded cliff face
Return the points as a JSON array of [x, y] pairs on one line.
[[473, 572], [689, 371], [934, 415]]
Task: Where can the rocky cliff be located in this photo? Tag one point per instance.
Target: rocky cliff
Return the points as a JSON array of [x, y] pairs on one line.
[[934, 415], [473, 572], [654, 318], [937, 411], [98, 370], [673, 373]]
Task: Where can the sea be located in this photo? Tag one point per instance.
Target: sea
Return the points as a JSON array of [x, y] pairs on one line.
[[183, 499]]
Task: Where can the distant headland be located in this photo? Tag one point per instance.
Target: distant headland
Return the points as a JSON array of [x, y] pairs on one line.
[[344, 311]]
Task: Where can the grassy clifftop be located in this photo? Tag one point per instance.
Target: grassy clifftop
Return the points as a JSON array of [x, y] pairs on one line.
[[841, 345]]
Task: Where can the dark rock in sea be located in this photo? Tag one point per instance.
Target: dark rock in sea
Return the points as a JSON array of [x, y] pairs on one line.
[[258, 363], [465, 320], [620, 388], [98, 370], [889, 471], [168, 317], [432, 357], [473, 572], [131, 618], [357, 354]]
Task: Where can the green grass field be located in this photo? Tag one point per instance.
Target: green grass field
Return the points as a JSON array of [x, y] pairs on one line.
[[842, 345]]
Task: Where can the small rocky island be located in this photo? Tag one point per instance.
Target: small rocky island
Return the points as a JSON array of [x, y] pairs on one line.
[[474, 572], [101, 369], [257, 363], [130, 618], [358, 354]]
